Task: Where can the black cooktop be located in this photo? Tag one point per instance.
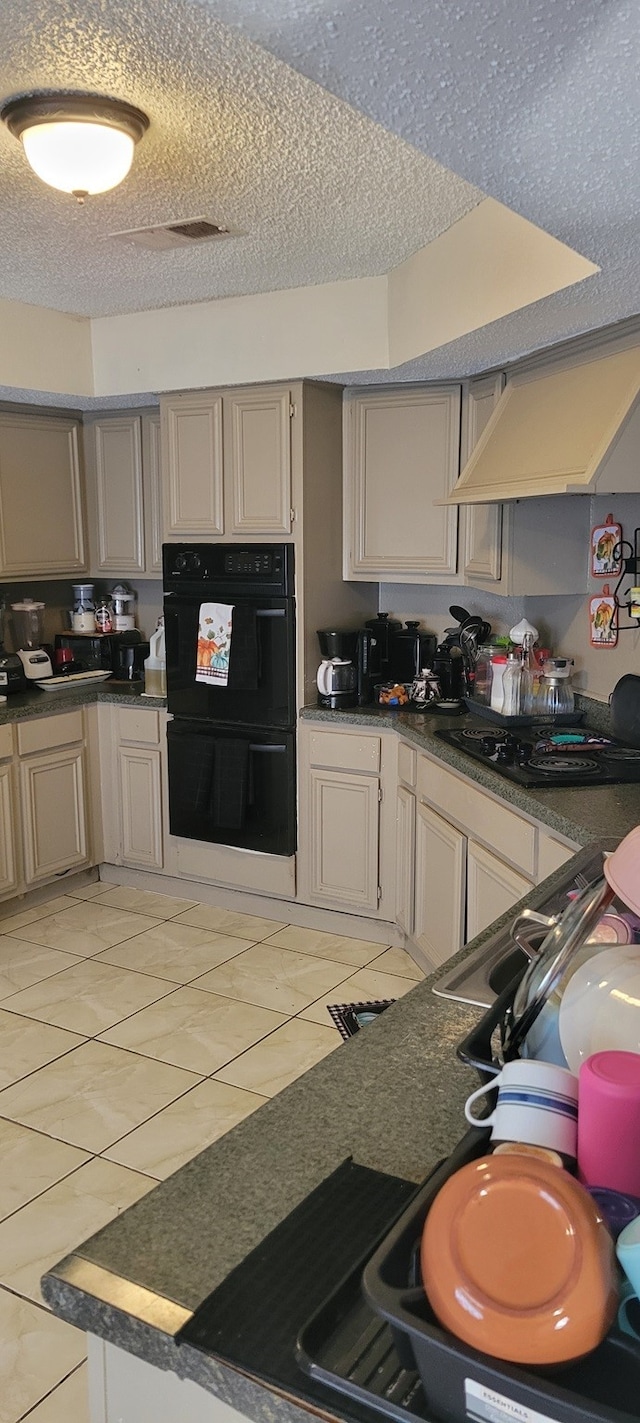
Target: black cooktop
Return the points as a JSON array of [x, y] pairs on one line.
[[548, 756]]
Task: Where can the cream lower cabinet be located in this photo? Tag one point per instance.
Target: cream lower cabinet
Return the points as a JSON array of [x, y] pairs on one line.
[[141, 802], [54, 816], [347, 816], [440, 874], [133, 780], [9, 823], [52, 771], [344, 826], [405, 858], [492, 888]]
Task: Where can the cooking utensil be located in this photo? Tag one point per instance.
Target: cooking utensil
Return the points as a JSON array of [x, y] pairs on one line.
[[545, 972], [625, 710], [459, 614]]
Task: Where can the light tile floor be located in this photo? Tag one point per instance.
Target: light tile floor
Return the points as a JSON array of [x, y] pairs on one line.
[[136, 1029]]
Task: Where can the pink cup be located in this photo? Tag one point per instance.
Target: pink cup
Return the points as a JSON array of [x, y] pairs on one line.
[[622, 870], [609, 1121]]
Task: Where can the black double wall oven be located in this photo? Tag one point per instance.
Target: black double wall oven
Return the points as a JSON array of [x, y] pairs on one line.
[[230, 641]]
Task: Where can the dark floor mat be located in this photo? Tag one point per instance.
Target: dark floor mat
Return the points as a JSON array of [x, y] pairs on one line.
[[253, 1318]]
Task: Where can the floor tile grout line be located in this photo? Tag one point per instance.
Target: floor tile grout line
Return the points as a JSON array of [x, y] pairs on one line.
[[208, 1075], [92, 1156], [24, 1417]]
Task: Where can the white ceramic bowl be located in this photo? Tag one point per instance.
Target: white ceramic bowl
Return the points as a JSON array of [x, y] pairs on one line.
[[622, 870], [600, 1008]]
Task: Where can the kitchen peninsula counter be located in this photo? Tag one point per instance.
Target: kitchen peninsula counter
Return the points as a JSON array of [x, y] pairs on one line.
[[392, 1098]]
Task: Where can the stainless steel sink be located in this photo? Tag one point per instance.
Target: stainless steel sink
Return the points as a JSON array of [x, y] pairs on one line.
[[492, 966]]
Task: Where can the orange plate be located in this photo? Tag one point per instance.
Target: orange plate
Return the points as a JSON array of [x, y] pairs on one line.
[[517, 1261]]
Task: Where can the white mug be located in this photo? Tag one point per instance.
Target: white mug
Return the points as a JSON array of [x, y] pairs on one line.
[[537, 1103]]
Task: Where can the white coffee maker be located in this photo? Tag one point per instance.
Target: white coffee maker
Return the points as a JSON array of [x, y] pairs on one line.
[[28, 628]]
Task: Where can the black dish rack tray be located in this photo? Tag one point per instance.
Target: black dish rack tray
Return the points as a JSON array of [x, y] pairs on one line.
[[460, 1383], [572, 718]]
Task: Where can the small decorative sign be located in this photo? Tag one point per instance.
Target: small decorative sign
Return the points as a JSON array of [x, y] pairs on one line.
[[602, 619], [606, 549]]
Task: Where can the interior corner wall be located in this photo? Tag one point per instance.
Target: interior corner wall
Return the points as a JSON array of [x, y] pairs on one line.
[[45, 350]]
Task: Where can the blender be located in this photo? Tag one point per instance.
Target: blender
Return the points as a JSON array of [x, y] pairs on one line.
[[27, 623], [12, 678]]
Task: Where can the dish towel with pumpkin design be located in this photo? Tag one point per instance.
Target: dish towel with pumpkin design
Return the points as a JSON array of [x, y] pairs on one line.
[[215, 623]]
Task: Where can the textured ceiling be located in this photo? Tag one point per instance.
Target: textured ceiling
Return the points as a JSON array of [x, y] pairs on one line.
[[321, 191], [535, 102]]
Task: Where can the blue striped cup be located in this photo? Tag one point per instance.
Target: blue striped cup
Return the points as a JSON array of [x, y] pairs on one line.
[[537, 1103]]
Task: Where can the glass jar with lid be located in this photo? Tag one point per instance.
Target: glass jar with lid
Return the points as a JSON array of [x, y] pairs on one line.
[[83, 616], [555, 695]]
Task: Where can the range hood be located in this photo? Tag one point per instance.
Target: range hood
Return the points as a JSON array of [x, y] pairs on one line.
[[569, 429]]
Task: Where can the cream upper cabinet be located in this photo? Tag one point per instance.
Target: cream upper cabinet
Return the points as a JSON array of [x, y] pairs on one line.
[[152, 493], [41, 497], [257, 456], [401, 455], [481, 524], [192, 464], [123, 493], [226, 462]]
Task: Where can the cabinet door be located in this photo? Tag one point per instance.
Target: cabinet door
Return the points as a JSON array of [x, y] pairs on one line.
[[492, 888], [405, 857], [52, 793], [152, 493], [8, 858], [119, 495], [258, 460], [41, 513], [440, 885], [481, 523], [401, 457], [141, 797], [192, 464], [344, 826]]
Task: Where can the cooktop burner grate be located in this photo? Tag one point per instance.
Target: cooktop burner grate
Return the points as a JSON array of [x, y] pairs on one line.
[[572, 765], [537, 757]]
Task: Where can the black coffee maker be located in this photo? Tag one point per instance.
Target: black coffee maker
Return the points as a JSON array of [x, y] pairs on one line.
[[344, 688]]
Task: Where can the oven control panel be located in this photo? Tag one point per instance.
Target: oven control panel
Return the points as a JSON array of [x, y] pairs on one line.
[[255, 568]]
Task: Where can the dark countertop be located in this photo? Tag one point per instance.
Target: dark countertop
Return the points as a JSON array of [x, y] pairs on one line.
[[582, 814], [392, 1097], [23, 706]]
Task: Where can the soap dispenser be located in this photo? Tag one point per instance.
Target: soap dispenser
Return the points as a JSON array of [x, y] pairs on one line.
[[155, 666]]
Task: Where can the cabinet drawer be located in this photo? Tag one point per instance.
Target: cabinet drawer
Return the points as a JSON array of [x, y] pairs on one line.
[[551, 855], [407, 764], [349, 753], [139, 724], [482, 817], [6, 742], [50, 731]]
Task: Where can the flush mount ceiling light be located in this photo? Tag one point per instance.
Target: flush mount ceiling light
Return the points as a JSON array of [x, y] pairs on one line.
[[79, 143]]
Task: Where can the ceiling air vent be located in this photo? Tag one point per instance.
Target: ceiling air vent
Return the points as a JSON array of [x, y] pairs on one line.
[[169, 235]]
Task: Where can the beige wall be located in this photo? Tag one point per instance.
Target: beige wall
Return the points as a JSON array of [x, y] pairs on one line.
[[562, 621]]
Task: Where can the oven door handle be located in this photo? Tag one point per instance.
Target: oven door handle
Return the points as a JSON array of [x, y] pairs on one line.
[[265, 750], [271, 612]]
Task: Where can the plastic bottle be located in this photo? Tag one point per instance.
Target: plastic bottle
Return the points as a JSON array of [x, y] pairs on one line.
[[498, 669], [155, 666]]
